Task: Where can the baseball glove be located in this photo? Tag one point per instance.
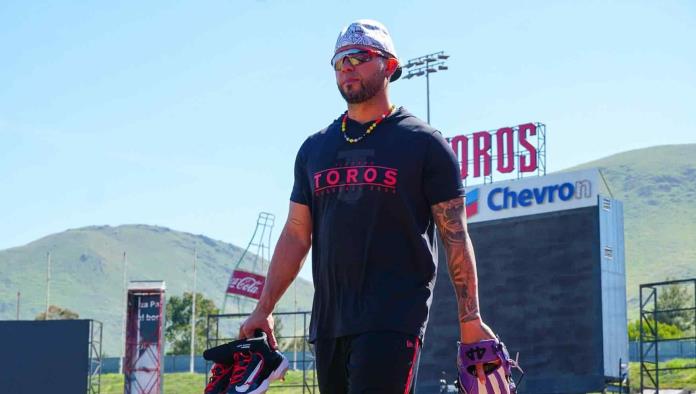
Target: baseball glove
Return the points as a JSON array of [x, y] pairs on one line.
[[485, 367]]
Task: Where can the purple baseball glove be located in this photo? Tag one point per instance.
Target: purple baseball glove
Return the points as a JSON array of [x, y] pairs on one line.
[[485, 368]]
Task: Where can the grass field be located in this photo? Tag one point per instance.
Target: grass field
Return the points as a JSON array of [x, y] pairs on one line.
[[186, 383], [685, 379]]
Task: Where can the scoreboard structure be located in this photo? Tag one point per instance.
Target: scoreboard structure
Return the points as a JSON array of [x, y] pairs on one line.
[[552, 284]]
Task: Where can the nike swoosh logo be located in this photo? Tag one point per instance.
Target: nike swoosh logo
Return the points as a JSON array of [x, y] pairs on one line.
[[245, 387]]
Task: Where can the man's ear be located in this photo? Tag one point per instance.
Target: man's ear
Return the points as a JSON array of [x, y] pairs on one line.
[[392, 64]]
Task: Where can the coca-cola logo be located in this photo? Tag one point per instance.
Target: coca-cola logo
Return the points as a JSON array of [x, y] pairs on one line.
[[247, 285]]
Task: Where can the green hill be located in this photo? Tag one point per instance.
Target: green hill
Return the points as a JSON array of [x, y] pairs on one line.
[[87, 272], [658, 188]]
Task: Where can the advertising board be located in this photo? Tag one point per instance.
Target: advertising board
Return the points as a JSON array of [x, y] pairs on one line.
[[246, 284], [533, 195]]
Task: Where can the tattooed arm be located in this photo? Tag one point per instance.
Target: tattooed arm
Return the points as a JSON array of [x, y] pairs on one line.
[[450, 218]]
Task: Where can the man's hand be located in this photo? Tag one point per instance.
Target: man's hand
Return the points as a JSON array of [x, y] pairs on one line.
[[262, 321], [485, 366], [475, 331]]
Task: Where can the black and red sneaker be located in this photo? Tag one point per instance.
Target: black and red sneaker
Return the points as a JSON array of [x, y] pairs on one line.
[[219, 378], [222, 354], [255, 366], [222, 357]]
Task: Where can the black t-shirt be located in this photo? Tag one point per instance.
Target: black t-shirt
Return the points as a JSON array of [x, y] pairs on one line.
[[373, 248]]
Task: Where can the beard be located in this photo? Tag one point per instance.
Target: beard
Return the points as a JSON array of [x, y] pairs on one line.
[[367, 90]]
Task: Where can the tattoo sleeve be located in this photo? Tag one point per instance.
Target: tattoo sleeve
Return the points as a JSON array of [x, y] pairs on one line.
[[450, 218]]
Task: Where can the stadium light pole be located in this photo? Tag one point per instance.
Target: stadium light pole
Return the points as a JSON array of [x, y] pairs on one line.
[[426, 65]]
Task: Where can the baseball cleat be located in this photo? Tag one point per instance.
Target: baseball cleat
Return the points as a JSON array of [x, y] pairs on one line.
[[220, 375], [255, 365]]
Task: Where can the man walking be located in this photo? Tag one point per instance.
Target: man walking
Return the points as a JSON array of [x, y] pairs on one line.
[[369, 190]]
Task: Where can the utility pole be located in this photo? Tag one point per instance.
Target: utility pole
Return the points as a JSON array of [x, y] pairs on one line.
[[18, 296], [193, 312], [294, 332], [125, 307], [48, 282]]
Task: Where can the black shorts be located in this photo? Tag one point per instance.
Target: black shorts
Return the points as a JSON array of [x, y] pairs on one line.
[[383, 362]]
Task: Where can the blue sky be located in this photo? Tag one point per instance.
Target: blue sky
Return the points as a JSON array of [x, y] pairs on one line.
[[189, 114]]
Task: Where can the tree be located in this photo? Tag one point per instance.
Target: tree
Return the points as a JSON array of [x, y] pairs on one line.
[[672, 297], [57, 313], [178, 325], [664, 330]]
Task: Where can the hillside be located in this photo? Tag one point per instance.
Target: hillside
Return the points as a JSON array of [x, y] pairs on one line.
[[87, 271], [658, 188]]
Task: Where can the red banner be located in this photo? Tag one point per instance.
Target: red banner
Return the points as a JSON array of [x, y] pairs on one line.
[[246, 284]]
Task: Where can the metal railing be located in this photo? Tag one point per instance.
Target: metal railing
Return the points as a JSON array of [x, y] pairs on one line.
[[95, 359], [650, 340]]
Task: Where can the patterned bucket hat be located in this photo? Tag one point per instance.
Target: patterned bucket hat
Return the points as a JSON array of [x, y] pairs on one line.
[[368, 33]]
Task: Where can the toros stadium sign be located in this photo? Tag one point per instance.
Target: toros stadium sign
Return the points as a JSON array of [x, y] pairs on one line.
[[507, 152]]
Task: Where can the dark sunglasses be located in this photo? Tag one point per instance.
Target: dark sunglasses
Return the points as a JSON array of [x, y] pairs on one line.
[[355, 56]]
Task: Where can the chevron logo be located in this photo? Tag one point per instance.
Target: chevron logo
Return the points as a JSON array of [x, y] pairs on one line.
[[472, 202]]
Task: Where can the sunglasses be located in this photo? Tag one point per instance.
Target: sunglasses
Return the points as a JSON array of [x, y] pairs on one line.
[[355, 56]]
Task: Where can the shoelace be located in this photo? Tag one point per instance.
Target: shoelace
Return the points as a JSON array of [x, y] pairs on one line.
[[217, 372], [516, 365], [241, 362]]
